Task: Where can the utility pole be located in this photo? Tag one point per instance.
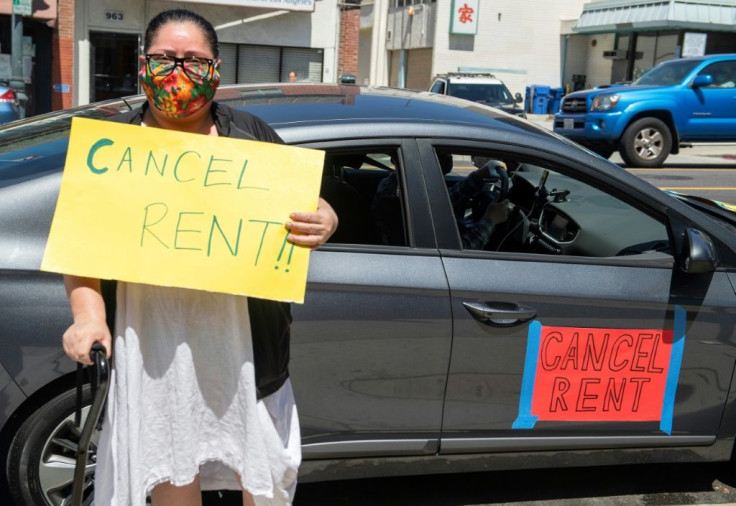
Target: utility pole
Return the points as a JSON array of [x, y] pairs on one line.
[[16, 54]]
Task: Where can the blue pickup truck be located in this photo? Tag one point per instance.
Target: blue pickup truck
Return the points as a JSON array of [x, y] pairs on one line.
[[677, 102]]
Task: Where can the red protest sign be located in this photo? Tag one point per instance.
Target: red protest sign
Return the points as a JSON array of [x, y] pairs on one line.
[[586, 374]]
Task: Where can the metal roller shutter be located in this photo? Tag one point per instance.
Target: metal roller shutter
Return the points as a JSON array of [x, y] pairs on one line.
[[229, 65], [258, 64], [306, 62]]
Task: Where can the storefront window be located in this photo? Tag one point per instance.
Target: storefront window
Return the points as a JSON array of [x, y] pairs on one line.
[[653, 48], [114, 65]]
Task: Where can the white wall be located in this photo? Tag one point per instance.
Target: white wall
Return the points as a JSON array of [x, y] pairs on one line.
[[522, 46], [364, 56], [318, 29], [598, 69], [585, 56]]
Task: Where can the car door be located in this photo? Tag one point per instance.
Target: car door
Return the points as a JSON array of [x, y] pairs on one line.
[[371, 344], [712, 108], [578, 339]]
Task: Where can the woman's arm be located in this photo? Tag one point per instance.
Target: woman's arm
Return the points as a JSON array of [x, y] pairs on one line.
[[313, 229], [90, 322]]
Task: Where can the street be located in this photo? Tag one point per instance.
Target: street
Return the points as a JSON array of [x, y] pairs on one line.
[[707, 170], [713, 181], [652, 484]]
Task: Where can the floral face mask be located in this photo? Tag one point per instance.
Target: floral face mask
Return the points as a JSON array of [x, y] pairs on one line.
[[179, 87]]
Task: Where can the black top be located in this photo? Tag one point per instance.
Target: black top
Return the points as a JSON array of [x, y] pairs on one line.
[[270, 321]]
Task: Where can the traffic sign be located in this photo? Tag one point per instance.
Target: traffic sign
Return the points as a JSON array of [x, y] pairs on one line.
[[22, 7]]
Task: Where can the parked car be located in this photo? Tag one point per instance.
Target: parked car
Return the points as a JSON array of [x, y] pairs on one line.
[[8, 105], [594, 327], [484, 88], [681, 101]]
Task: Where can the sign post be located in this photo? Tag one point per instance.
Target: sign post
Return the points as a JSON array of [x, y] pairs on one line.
[[20, 8]]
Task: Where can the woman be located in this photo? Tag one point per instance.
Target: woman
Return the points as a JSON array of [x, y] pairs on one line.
[[201, 397]]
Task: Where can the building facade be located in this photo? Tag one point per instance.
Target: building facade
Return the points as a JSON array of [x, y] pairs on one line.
[[38, 35], [256, 44], [91, 46], [617, 40], [561, 43]]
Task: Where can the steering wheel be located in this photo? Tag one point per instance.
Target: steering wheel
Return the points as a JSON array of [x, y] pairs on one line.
[[495, 189]]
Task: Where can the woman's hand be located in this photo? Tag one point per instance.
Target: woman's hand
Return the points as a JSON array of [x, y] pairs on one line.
[[90, 324], [79, 338], [313, 229]]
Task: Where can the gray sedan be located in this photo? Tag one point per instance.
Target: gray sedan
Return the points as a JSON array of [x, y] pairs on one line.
[[555, 312]]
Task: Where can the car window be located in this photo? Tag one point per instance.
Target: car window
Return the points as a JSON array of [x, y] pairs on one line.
[[485, 92], [438, 87], [723, 72], [505, 204], [667, 73], [364, 188]]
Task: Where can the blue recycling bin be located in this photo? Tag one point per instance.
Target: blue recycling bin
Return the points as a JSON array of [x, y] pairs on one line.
[[555, 100], [541, 90], [540, 95], [539, 105]]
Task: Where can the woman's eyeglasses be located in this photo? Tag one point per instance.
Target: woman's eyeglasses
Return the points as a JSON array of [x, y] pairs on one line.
[[194, 66]]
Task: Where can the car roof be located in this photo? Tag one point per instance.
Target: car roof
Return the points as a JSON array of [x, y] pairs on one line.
[[704, 57], [299, 112], [475, 77], [304, 113]]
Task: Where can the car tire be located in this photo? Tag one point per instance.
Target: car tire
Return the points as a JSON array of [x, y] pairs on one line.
[[646, 143], [42, 456]]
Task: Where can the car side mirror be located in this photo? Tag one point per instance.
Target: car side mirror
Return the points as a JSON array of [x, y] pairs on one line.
[[699, 253], [519, 99], [702, 80]]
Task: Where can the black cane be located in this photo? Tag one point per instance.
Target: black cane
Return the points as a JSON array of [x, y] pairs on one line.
[[98, 354]]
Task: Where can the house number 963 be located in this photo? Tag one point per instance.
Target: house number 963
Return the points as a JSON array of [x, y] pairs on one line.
[[114, 15]]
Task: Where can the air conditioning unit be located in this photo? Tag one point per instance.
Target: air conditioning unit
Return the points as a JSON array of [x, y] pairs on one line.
[[616, 54]]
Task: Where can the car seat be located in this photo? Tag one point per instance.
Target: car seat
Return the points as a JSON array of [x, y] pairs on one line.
[[355, 224]]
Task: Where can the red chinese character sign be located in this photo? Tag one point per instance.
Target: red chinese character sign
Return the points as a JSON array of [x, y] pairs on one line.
[[576, 374], [464, 17]]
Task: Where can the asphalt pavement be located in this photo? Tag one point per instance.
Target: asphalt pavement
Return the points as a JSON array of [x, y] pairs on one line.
[[701, 155]]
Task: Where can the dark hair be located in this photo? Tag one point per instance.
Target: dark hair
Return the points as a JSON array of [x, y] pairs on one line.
[[178, 16]]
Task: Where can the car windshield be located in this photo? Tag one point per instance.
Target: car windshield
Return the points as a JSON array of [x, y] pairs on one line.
[[55, 125], [667, 73], [491, 94], [36, 146]]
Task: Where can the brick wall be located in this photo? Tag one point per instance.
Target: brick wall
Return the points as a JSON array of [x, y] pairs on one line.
[[347, 60], [62, 59]]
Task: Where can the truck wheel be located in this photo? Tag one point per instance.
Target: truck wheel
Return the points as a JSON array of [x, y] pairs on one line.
[[646, 143], [42, 456]]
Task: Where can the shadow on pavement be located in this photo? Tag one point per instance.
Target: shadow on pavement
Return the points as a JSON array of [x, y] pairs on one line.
[[649, 484]]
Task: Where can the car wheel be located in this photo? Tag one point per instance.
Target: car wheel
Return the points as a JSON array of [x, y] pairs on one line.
[[646, 143], [43, 454]]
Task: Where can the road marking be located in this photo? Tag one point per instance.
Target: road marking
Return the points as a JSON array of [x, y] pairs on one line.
[[708, 188], [660, 170]]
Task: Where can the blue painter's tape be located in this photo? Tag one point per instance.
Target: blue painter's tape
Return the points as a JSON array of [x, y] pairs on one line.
[[678, 347], [525, 419]]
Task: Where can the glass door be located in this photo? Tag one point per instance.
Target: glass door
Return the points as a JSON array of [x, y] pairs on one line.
[[113, 65]]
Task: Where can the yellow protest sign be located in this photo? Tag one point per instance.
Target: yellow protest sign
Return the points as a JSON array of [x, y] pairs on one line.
[[168, 208]]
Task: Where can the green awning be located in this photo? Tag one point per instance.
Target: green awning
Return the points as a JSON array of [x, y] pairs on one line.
[[630, 15]]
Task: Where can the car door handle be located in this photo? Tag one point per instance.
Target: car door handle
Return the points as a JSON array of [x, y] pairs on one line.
[[500, 314]]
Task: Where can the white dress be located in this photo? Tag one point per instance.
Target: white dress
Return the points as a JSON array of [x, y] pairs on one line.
[[183, 401]]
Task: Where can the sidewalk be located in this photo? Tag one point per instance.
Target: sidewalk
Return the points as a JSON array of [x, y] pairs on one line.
[[699, 154]]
